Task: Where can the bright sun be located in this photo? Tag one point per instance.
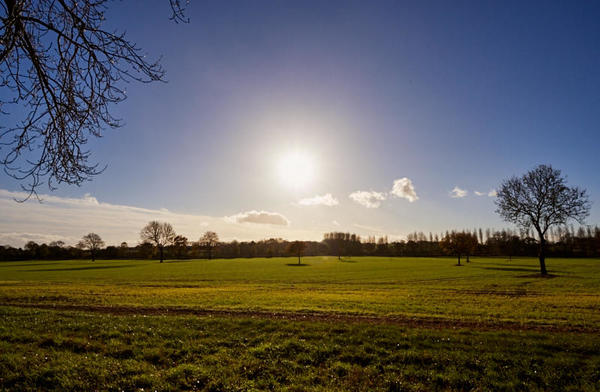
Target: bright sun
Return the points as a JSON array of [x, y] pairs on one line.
[[296, 169]]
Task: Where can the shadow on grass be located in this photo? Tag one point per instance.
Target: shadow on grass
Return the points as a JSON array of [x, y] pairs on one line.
[[182, 261], [80, 268], [538, 275], [509, 264], [517, 269], [348, 261], [298, 265], [27, 264]]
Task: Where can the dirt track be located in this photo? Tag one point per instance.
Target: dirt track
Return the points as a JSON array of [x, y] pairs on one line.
[[405, 321]]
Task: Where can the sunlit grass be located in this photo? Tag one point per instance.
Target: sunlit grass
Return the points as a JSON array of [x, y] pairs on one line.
[[484, 290]]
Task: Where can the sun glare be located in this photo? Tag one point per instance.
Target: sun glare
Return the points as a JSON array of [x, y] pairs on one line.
[[296, 169]]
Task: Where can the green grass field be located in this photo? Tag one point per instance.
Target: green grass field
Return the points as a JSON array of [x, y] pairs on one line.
[[267, 324]]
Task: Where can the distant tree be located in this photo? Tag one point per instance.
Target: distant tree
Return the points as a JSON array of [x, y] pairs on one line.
[[297, 248], [159, 234], [57, 244], [338, 243], [31, 246], [209, 241], [91, 242], [541, 198], [459, 244], [180, 243]]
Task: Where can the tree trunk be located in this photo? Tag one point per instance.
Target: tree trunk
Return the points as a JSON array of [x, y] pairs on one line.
[[209, 252], [542, 255], [93, 256], [161, 253], [468, 260], [458, 259]]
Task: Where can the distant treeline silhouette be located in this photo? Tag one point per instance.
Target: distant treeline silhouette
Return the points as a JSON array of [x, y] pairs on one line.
[[563, 242]]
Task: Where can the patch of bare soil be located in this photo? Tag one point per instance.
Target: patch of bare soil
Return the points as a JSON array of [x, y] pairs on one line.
[[403, 321]]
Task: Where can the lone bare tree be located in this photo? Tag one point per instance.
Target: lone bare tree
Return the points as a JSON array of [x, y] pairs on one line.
[[160, 234], [62, 70], [541, 198], [209, 241], [92, 242]]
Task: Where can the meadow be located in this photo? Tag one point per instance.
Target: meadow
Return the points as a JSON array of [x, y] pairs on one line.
[[268, 324]]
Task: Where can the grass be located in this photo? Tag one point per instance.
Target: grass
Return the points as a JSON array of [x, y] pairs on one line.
[[83, 351], [526, 332], [484, 290]]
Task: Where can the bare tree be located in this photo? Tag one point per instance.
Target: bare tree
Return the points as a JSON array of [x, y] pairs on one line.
[[209, 241], [59, 64], [541, 198], [92, 242], [159, 234]]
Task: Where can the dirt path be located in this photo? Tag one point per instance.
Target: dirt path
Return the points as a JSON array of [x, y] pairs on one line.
[[405, 321]]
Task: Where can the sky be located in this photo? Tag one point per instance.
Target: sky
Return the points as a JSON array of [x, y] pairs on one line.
[[292, 119]]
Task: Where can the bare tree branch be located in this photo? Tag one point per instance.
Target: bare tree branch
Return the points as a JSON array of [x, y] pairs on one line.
[[64, 71]]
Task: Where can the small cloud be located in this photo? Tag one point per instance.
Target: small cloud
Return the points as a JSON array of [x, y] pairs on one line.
[[458, 193], [479, 193], [369, 199], [325, 200], [335, 223], [259, 217], [492, 193], [404, 188], [88, 198]]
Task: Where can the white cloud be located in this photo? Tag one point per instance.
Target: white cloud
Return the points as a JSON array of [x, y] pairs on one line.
[[491, 193], [259, 217], [458, 193], [325, 200], [369, 199], [404, 188], [68, 218]]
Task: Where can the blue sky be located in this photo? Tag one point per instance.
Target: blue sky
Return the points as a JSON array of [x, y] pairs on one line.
[[446, 94]]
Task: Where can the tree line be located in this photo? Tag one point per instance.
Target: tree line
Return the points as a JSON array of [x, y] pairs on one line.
[[566, 241]]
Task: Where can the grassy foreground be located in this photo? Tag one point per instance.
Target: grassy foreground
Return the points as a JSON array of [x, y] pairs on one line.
[[492, 325], [82, 351]]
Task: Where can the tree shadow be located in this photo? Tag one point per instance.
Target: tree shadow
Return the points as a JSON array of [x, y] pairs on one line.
[[26, 264], [510, 264], [538, 275], [80, 268], [180, 261], [298, 265], [517, 269]]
